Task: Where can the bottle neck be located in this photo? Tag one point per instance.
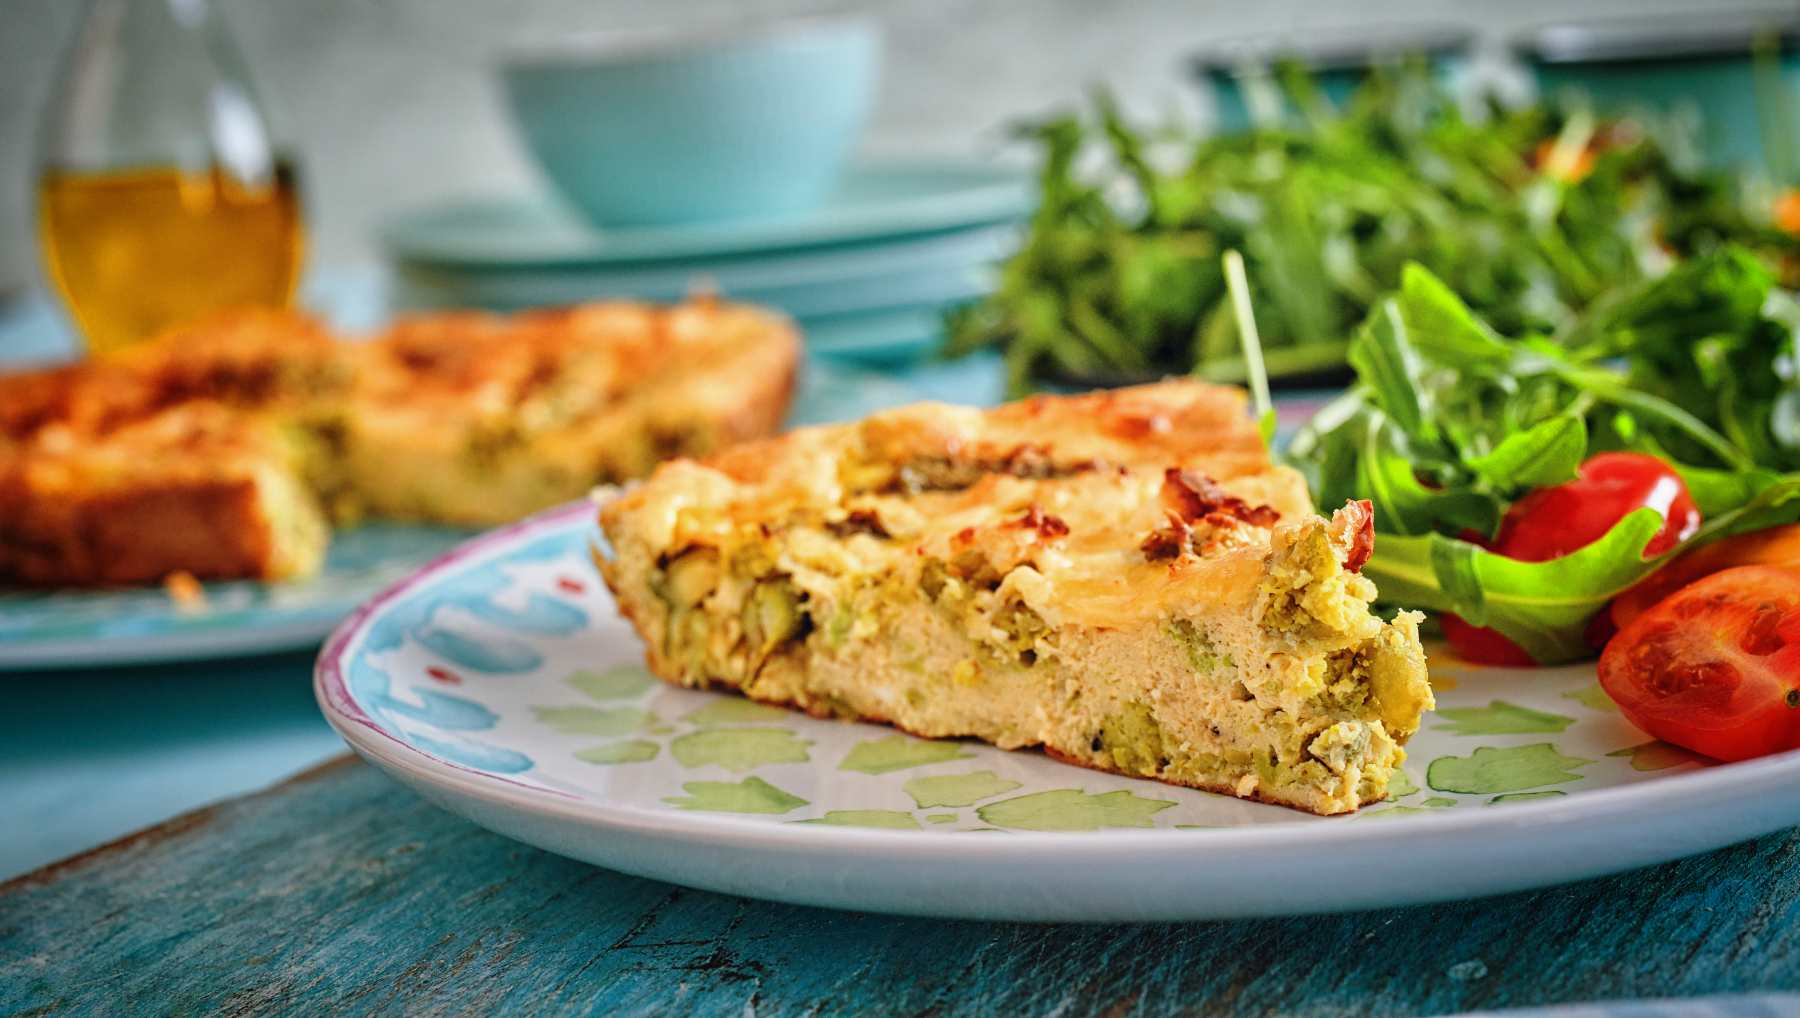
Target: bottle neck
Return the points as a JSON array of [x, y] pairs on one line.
[[157, 83]]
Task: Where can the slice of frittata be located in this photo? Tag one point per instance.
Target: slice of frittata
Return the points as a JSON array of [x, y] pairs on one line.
[[1122, 578], [473, 418]]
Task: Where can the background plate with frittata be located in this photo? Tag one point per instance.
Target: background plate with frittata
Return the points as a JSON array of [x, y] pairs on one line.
[[140, 625], [499, 683]]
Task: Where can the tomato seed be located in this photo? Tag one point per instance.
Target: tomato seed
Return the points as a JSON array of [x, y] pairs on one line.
[[1763, 636], [1706, 676], [1655, 649], [1688, 607]]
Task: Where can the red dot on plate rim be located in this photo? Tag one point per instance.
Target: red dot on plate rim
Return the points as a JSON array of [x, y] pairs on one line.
[[444, 675], [573, 586]]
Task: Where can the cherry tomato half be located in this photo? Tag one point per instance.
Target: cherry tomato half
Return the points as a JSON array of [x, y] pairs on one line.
[[1776, 546], [1485, 646], [1552, 522], [1715, 667]]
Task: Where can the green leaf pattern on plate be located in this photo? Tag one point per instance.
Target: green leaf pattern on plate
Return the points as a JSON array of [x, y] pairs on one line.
[[629, 751], [1657, 755], [1554, 793], [751, 795], [1496, 739], [595, 720], [1400, 786], [1436, 802], [957, 789], [899, 752], [1511, 769], [732, 710], [739, 749], [1592, 697], [1071, 809], [623, 682], [1500, 718]]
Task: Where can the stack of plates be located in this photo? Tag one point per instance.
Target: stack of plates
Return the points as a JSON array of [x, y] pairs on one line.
[[867, 275]]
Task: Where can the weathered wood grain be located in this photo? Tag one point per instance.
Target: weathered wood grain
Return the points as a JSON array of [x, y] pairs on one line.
[[339, 891]]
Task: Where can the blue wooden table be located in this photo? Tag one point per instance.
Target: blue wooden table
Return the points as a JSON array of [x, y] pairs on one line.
[[341, 892]]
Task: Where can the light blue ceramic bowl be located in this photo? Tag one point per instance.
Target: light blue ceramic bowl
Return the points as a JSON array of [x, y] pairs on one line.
[[639, 129]]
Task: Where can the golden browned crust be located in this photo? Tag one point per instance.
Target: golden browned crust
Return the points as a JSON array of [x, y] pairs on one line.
[[254, 360], [1216, 787], [196, 489], [1168, 422], [212, 529], [217, 448]]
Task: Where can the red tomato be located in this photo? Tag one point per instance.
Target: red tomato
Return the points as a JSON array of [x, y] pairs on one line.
[[1487, 646], [1552, 522], [1776, 546], [1715, 667]]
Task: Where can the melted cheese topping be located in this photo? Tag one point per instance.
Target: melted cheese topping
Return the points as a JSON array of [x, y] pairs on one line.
[[1057, 495]]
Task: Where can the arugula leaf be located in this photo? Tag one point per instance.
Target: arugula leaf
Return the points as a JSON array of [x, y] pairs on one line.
[[1500, 718], [1546, 453], [1775, 504], [1716, 492], [1541, 606], [1444, 323], [1384, 360]]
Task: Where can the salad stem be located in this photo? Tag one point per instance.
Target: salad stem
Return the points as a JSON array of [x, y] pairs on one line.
[[1239, 285]]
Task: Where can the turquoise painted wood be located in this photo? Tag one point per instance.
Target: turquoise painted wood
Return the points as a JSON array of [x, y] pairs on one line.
[[340, 892]]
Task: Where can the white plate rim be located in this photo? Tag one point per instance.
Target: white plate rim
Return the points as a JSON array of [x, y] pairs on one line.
[[1704, 791]]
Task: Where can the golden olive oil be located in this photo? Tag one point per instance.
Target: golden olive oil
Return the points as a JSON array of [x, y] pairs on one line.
[[136, 251]]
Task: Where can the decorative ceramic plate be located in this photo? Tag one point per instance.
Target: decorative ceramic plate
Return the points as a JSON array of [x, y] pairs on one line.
[[79, 628], [937, 267], [499, 684], [872, 202]]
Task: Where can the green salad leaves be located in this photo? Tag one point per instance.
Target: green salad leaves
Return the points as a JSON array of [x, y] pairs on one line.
[[1449, 422], [1530, 214]]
